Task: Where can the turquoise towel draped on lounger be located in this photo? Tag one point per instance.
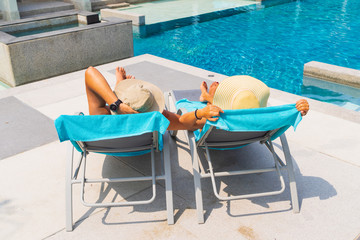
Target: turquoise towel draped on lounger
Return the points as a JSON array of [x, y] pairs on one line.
[[247, 120], [100, 127]]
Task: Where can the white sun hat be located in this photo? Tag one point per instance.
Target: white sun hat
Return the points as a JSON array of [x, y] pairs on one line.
[[140, 95]]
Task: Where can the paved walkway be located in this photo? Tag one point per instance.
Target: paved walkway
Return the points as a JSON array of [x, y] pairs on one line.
[[325, 146]]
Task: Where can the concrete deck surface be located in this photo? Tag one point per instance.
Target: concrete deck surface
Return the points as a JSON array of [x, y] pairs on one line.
[[325, 147]]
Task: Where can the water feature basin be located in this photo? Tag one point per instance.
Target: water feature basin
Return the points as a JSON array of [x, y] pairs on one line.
[[41, 47]]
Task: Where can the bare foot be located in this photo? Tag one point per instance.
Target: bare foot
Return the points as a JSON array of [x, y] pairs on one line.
[[205, 95], [213, 88], [120, 74], [203, 87], [204, 92]]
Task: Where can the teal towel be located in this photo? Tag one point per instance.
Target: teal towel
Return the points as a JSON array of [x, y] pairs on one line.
[[101, 127], [256, 119]]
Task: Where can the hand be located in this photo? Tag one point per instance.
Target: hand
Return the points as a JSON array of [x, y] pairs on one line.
[[302, 106], [126, 109], [209, 112]]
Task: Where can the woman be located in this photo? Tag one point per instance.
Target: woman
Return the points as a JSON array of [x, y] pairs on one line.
[[102, 100]]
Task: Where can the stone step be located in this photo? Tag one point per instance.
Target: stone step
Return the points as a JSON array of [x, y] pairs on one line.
[[98, 3], [115, 5], [36, 8]]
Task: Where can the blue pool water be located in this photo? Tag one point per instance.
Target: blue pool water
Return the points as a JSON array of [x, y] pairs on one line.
[[271, 44]]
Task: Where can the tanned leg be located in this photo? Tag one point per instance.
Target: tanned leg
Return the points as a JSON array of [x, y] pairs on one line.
[[98, 92]]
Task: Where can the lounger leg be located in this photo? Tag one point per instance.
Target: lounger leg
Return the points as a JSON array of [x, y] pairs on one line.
[[197, 178], [168, 183], [167, 96], [68, 188], [290, 170]]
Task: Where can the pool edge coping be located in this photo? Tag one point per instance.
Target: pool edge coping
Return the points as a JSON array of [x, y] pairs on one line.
[[333, 73]]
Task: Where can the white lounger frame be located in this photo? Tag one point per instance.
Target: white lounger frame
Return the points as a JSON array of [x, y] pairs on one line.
[[203, 145], [111, 146]]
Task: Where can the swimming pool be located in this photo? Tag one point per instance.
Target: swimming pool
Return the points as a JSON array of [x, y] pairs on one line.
[[271, 44]]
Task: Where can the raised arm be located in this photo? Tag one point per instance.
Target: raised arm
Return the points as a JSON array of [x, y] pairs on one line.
[[192, 121]]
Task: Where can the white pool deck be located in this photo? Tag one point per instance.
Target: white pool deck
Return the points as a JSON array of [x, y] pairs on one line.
[[166, 10], [325, 147]]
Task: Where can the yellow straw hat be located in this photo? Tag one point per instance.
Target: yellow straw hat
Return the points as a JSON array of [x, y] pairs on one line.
[[241, 92]]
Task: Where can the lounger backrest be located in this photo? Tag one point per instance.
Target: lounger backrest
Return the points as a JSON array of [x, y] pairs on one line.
[[125, 144], [125, 133], [218, 138]]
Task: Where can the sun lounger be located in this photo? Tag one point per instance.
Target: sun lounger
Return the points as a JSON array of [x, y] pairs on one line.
[[235, 129], [116, 135]]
